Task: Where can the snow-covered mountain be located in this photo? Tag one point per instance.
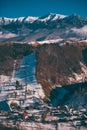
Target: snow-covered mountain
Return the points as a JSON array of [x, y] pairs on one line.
[[51, 17], [31, 19], [6, 21], [50, 26]]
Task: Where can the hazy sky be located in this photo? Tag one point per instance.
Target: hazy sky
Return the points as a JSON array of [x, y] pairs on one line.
[[17, 8]]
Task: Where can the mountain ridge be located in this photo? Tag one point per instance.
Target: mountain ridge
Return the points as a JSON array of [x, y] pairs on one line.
[[27, 19], [50, 26]]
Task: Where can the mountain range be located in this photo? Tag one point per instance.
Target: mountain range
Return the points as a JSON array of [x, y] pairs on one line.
[[50, 26]]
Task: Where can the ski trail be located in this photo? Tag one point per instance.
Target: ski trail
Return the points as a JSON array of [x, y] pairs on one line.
[[26, 74]]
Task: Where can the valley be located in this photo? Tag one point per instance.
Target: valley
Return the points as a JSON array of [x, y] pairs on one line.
[[38, 90], [43, 73]]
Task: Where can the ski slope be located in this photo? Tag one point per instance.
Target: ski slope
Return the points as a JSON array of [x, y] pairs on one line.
[[26, 74]]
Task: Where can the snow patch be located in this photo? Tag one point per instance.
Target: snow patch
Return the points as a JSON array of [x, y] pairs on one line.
[[20, 19], [83, 40], [5, 20], [8, 35], [27, 72], [51, 17], [58, 16], [79, 77], [49, 41], [82, 31], [4, 78], [31, 19]]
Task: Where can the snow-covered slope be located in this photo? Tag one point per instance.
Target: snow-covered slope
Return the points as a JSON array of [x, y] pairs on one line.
[[26, 74], [50, 26], [50, 41], [8, 35], [5, 21], [31, 19], [81, 31], [51, 17]]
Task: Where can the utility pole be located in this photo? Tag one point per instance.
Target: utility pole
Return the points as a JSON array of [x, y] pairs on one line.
[[56, 125], [25, 80], [0, 84]]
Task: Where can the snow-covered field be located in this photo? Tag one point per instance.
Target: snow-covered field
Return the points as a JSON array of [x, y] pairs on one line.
[[79, 77], [46, 126], [26, 76]]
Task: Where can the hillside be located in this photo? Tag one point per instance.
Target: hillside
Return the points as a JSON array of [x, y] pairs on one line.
[[9, 52], [59, 65], [59, 68]]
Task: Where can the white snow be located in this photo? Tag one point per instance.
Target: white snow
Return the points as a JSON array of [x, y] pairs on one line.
[[15, 19], [5, 20], [8, 35], [4, 78], [79, 77], [37, 126], [45, 19], [27, 73], [83, 40], [0, 33], [52, 17], [31, 19], [48, 41], [20, 19], [82, 31], [59, 16]]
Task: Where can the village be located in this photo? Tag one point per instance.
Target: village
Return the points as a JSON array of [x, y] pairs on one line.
[[22, 106]]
